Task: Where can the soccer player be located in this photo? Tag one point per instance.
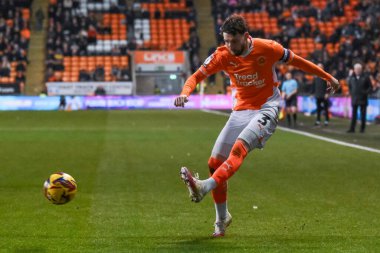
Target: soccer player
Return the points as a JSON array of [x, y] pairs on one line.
[[250, 64]]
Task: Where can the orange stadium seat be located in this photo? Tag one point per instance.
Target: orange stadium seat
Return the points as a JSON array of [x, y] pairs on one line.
[[22, 31]]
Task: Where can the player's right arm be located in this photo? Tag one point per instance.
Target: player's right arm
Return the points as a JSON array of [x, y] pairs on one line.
[[210, 66], [189, 86]]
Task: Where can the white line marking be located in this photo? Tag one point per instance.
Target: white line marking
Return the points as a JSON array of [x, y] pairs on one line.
[[342, 143]]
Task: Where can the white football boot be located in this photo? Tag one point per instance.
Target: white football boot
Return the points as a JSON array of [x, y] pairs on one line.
[[220, 226], [194, 185]]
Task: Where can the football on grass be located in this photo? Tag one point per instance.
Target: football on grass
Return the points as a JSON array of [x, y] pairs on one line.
[[60, 188]]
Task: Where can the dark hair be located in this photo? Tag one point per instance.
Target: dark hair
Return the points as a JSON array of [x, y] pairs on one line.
[[234, 24]]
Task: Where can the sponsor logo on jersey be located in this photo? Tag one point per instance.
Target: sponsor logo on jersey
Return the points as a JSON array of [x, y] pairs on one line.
[[249, 80]]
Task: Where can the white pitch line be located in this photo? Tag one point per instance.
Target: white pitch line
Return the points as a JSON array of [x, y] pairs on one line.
[[342, 143]]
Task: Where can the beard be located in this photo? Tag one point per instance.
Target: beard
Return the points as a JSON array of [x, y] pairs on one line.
[[237, 52]]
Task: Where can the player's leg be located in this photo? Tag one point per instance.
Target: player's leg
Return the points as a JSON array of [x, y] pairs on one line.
[[288, 112], [326, 107], [219, 194], [258, 131], [353, 119], [363, 115], [220, 153], [319, 110], [227, 137], [222, 147], [294, 110], [221, 150]]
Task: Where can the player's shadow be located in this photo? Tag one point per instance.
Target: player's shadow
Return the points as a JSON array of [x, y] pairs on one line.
[[199, 244], [266, 243]]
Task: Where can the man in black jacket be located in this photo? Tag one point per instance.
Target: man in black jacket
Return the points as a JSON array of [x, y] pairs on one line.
[[319, 90], [360, 86]]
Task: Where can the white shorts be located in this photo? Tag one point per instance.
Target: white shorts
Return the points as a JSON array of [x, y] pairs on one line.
[[253, 126]]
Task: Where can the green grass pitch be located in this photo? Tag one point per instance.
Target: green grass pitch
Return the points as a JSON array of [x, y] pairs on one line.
[[312, 196]]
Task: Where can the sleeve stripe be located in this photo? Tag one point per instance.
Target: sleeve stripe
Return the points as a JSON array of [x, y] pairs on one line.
[[285, 56], [291, 57]]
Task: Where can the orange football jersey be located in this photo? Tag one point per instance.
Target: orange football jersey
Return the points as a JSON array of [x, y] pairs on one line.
[[253, 75]]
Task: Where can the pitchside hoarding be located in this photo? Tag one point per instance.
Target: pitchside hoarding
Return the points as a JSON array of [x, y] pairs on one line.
[[217, 102], [340, 106], [88, 88], [43, 103]]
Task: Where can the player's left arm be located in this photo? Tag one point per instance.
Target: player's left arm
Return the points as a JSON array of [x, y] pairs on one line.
[[288, 57], [309, 67]]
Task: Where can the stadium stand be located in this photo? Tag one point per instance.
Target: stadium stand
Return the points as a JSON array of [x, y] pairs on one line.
[[14, 41], [91, 40], [337, 33], [87, 41], [166, 25]]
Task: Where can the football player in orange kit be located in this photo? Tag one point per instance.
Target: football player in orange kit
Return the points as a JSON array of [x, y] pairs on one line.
[[249, 63]]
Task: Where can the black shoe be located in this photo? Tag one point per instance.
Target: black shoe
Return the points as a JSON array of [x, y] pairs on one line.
[[350, 131], [362, 131], [317, 123]]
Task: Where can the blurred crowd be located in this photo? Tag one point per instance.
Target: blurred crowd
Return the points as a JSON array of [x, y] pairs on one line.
[[70, 31], [14, 39]]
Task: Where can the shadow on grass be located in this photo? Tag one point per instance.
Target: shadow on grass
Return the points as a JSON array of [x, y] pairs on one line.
[[272, 243], [230, 243]]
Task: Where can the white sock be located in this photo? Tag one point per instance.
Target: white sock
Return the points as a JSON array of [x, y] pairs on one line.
[[209, 184], [221, 211]]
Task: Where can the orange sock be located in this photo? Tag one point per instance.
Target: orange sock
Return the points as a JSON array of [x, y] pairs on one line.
[[219, 194], [232, 164]]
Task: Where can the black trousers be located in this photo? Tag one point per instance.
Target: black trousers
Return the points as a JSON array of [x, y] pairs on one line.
[[322, 103], [363, 115]]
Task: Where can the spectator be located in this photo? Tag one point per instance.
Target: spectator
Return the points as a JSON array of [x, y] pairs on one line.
[[99, 73], [132, 44], [49, 74], [115, 73], [157, 90], [114, 8], [62, 103], [124, 74], [84, 76], [157, 14], [40, 16], [91, 35], [21, 66], [360, 86], [20, 81], [319, 90], [100, 91], [5, 67]]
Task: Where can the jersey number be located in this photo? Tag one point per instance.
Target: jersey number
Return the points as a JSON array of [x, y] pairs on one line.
[[263, 121]]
